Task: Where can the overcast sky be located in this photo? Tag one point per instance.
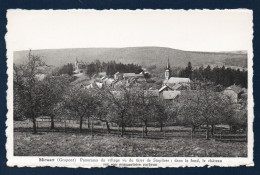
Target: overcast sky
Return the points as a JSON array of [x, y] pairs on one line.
[[194, 30]]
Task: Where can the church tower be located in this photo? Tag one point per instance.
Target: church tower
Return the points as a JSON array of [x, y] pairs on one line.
[[168, 71]]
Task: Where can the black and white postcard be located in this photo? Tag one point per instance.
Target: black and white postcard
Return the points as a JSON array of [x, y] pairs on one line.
[[129, 88]]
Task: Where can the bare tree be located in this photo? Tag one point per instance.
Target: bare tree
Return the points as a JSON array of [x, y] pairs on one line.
[[121, 103], [81, 102], [103, 111], [26, 88], [202, 106], [145, 105], [52, 88], [165, 111]]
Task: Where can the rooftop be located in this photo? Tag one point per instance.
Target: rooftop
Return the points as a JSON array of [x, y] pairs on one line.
[[176, 80], [170, 95], [235, 88], [125, 75]]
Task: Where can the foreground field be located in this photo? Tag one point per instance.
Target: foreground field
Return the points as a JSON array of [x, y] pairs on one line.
[[77, 144]]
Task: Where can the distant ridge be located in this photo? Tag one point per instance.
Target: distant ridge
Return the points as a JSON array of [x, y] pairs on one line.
[[144, 56]]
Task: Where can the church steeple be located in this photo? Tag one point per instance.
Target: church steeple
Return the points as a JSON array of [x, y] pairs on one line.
[[168, 65], [168, 70]]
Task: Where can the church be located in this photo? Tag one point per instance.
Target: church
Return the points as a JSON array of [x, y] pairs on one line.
[[174, 81]]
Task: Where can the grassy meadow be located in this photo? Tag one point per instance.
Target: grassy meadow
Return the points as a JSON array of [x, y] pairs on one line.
[[173, 142]]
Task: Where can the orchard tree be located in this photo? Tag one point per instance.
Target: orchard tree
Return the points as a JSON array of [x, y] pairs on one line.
[[144, 107], [52, 88], [202, 106], [165, 111], [212, 106], [27, 93], [81, 102], [121, 105], [103, 112], [18, 105], [188, 112], [238, 120], [235, 115]]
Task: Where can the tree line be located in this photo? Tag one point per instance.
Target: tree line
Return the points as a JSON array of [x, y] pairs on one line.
[[65, 69], [111, 68], [218, 75], [95, 67], [55, 96]]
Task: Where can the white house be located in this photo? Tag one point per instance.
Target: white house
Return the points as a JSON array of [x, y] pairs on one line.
[[132, 75], [233, 93]]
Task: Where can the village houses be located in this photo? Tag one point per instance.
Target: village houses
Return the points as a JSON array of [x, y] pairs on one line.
[[172, 87]]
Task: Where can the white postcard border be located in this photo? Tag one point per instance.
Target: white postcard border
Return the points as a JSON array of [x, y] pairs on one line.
[[35, 161]]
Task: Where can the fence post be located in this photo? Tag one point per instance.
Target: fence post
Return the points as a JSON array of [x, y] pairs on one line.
[[92, 129], [65, 125], [143, 132], [191, 134]]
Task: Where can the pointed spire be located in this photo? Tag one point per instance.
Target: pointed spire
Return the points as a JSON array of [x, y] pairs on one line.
[[168, 64], [168, 70]]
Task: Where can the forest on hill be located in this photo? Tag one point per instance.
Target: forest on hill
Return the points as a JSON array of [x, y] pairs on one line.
[[218, 75]]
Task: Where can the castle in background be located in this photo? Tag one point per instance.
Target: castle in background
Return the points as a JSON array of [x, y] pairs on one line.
[[78, 67]]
